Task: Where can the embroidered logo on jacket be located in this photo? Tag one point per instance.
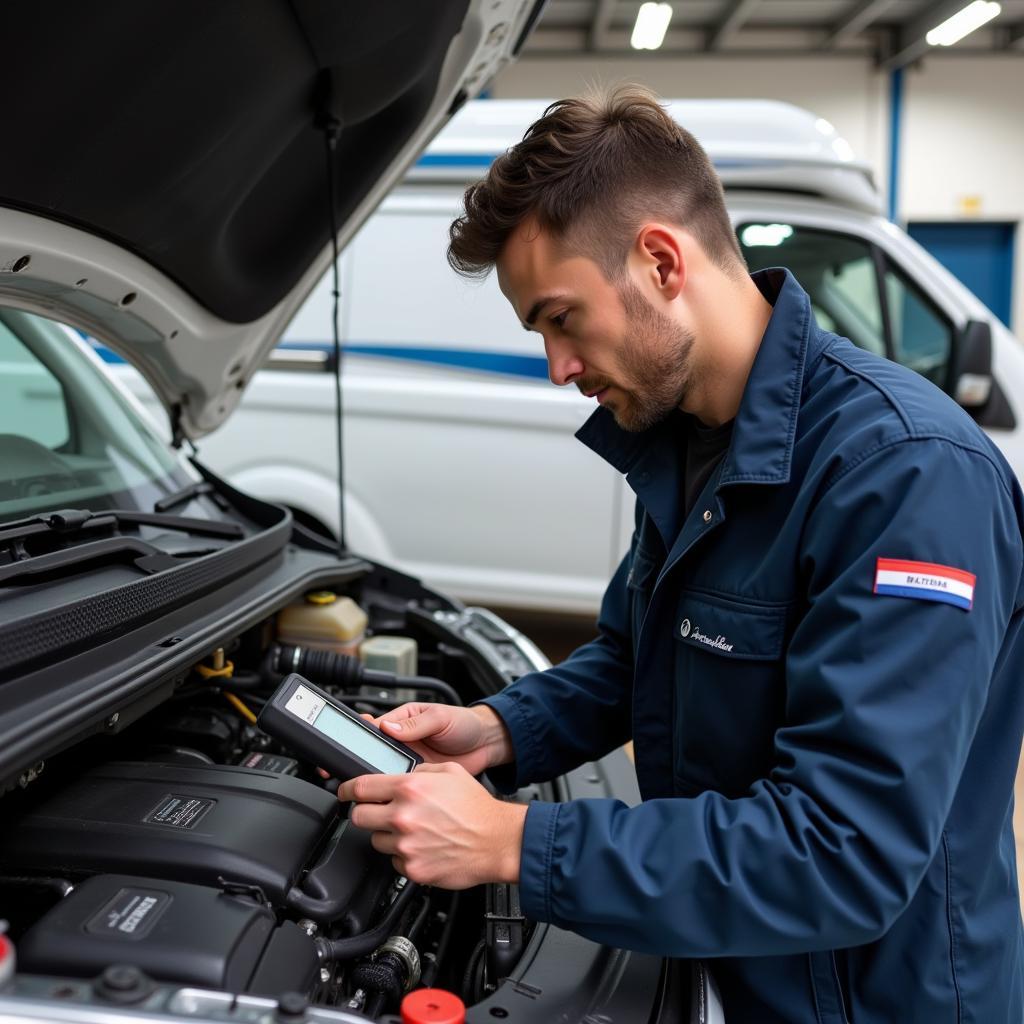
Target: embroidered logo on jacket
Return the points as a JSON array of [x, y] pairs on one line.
[[925, 581], [686, 631]]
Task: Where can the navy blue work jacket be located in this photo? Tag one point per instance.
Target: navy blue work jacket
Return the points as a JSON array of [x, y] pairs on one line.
[[822, 670]]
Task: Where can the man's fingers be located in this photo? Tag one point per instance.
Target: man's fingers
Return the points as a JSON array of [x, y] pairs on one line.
[[384, 842], [372, 817], [377, 789], [403, 712], [432, 719]]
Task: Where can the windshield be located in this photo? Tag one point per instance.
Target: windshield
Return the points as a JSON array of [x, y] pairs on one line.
[[68, 438]]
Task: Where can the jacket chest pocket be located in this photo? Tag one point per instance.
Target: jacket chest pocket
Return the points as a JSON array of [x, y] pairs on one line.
[[730, 690]]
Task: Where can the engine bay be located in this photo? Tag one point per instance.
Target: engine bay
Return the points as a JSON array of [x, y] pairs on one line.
[[189, 849]]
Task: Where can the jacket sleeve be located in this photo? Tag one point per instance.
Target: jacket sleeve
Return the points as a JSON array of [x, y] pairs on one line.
[[883, 696], [576, 711]]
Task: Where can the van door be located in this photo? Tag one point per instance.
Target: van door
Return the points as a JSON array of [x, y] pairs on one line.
[[457, 445]]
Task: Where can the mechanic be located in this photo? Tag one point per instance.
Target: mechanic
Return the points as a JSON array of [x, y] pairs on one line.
[[814, 640]]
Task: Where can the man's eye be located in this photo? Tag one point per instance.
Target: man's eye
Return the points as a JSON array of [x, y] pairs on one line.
[[559, 319]]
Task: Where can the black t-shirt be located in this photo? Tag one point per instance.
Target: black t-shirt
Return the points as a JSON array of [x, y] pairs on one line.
[[705, 447]]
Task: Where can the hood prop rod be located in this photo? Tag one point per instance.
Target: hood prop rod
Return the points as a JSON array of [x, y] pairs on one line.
[[330, 125]]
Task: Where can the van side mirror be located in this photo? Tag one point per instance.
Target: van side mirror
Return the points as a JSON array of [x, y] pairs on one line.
[[970, 376]]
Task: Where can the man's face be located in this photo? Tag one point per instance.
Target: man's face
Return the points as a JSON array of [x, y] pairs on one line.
[[604, 337]]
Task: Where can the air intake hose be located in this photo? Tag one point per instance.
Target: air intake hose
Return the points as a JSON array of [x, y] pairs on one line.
[[344, 672]]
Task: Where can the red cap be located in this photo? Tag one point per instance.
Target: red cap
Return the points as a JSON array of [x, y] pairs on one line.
[[6, 947], [433, 1006]]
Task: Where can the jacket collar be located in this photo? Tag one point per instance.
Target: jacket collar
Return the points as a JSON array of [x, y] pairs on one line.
[[765, 427]]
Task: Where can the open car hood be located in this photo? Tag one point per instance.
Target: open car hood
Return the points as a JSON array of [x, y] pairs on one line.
[[165, 185]]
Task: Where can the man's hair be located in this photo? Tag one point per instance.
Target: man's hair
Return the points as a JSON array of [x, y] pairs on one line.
[[591, 170]]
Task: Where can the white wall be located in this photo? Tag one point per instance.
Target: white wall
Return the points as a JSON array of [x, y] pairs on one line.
[[963, 136], [847, 91]]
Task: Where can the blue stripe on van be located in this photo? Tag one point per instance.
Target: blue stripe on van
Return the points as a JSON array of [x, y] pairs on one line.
[[500, 363], [108, 355], [456, 159], [486, 159]]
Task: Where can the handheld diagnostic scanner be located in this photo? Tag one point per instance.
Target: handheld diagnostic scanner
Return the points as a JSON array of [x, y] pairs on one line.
[[314, 724]]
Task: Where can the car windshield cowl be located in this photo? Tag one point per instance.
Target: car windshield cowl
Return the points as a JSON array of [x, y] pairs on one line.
[[70, 540], [67, 522]]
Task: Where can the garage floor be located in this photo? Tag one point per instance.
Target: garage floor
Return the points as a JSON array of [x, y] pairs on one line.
[[558, 638]]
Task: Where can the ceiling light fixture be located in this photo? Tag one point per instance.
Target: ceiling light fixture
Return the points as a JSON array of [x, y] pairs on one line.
[[963, 23], [651, 25]]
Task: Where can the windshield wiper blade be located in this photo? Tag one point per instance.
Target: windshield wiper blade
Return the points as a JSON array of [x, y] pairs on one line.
[[69, 521], [185, 494], [149, 559], [189, 524]]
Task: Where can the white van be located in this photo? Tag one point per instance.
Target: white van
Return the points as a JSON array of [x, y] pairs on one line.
[[460, 460]]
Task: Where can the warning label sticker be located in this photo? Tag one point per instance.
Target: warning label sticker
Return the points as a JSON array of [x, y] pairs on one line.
[[179, 811], [131, 914], [270, 763]]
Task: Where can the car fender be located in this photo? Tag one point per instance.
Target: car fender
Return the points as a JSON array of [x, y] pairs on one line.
[[317, 496]]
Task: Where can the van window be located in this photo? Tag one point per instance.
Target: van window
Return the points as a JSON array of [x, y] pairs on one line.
[[842, 275], [837, 272], [921, 337]]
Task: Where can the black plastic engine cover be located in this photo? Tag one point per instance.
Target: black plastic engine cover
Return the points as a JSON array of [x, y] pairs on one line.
[[176, 822], [174, 932]]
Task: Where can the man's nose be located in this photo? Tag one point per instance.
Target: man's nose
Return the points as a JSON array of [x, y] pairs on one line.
[[564, 366]]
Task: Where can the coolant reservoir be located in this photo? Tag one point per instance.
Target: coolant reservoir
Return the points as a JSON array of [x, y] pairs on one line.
[[324, 621]]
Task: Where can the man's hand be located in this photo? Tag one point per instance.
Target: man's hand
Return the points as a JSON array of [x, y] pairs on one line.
[[439, 825], [475, 738]]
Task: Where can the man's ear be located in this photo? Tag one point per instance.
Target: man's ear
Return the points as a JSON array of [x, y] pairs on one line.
[[661, 257]]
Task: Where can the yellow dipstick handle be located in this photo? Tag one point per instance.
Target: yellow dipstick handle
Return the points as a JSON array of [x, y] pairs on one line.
[[216, 673]]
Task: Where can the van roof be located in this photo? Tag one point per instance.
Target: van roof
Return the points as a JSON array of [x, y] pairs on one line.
[[755, 144]]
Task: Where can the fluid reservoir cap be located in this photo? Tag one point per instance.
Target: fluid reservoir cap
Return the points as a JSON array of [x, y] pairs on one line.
[[6, 960], [122, 983], [321, 597], [433, 1006]]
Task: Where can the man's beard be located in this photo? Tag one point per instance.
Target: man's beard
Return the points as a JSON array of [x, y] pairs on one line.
[[655, 358]]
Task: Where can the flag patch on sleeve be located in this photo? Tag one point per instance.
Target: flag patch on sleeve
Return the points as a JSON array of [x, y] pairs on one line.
[[925, 581]]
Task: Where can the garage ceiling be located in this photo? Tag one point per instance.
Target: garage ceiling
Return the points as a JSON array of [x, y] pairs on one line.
[[889, 31]]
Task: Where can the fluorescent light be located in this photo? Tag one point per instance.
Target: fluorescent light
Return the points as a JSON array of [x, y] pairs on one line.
[[765, 234], [963, 23], [651, 25]]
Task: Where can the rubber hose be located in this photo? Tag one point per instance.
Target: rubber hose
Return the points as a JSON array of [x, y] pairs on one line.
[[343, 672], [359, 945]]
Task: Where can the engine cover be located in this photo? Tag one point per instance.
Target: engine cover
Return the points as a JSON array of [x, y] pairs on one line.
[[174, 932], [176, 822]]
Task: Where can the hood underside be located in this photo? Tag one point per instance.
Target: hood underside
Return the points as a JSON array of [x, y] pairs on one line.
[[186, 140]]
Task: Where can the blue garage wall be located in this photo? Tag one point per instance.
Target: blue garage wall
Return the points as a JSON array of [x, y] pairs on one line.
[[979, 254]]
